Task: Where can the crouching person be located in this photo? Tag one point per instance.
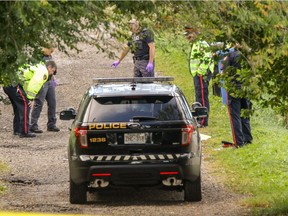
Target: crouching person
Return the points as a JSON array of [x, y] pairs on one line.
[[30, 79]]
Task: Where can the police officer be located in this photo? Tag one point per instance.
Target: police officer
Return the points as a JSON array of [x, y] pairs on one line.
[[199, 67], [22, 93], [47, 92], [221, 55], [241, 129], [143, 48]]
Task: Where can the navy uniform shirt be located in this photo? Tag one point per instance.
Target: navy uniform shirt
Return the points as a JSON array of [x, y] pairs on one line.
[[234, 61], [139, 43]]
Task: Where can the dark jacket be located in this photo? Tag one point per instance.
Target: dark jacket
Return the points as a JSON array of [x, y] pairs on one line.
[[231, 65]]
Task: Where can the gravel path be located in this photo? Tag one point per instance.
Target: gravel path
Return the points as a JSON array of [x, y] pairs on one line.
[[38, 177]]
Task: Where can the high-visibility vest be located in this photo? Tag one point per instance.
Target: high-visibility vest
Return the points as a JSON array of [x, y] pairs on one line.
[[200, 60], [32, 78]]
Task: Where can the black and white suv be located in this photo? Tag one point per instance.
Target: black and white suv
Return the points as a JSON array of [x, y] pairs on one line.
[[135, 132]]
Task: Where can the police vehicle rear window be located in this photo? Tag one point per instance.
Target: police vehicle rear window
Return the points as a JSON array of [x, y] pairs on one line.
[[119, 109]]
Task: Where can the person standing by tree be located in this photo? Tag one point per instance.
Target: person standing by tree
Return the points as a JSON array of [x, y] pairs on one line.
[[143, 49], [23, 92], [199, 67], [47, 93], [220, 55], [240, 125]]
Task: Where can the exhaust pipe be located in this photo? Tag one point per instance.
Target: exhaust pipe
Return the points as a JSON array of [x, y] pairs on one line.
[[172, 181], [99, 183]]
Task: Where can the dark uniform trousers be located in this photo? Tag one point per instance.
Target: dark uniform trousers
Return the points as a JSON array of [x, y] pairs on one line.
[[241, 130], [201, 85], [140, 68], [47, 93], [21, 108]]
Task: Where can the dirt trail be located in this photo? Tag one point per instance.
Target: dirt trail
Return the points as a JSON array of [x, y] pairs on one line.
[[38, 176]]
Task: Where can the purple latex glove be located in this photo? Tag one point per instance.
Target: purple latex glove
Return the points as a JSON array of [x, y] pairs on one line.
[[150, 67], [54, 82], [115, 64]]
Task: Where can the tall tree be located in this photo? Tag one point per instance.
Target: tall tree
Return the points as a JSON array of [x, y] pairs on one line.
[[28, 26], [261, 29], [259, 26]]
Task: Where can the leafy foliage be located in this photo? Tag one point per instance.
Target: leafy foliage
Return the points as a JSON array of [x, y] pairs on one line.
[[28, 26], [257, 170], [261, 30], [260, 27]]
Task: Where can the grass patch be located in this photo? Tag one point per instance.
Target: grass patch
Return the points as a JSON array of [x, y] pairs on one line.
[[258, 170], [3, 171]]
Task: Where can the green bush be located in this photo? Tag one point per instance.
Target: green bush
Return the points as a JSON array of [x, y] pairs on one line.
[[258, 170]]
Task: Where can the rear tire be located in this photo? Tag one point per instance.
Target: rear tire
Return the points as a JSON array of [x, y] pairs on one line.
[[192, 190], [78, 193]]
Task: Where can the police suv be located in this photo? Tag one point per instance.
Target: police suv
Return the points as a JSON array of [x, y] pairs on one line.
[[135, 132]]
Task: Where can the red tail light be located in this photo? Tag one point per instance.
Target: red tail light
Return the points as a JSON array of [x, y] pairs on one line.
[[187, 132], [101, 174], [169, 173], [81, 134]]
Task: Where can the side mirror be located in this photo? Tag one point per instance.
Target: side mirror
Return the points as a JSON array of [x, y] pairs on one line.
[[199, 111], [68, 114]]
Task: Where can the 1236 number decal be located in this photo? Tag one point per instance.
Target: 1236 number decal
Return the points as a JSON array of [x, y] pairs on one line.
[[97, 139]]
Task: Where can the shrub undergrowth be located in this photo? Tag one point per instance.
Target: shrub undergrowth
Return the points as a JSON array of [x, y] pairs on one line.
[[258, 170]]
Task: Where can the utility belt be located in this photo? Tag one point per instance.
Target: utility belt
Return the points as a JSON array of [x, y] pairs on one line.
[[145, 57]]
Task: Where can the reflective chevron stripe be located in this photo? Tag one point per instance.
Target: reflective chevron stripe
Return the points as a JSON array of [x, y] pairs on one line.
[[129, 157]]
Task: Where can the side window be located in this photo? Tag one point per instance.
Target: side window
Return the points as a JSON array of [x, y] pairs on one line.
[[185, 106], [82, 109]]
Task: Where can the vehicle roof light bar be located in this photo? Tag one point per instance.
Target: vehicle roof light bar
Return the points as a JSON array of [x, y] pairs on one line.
[[133, 79]]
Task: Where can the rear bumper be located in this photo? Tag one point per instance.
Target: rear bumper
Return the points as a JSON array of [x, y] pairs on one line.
[[136, 174]]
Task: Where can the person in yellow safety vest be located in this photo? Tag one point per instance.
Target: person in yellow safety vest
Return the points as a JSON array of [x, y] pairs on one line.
[[21, 94], [200, 62], [47, 93]]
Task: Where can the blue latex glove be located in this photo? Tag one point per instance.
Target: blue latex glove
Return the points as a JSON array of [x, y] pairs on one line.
[[115, 64], [150, 67]]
